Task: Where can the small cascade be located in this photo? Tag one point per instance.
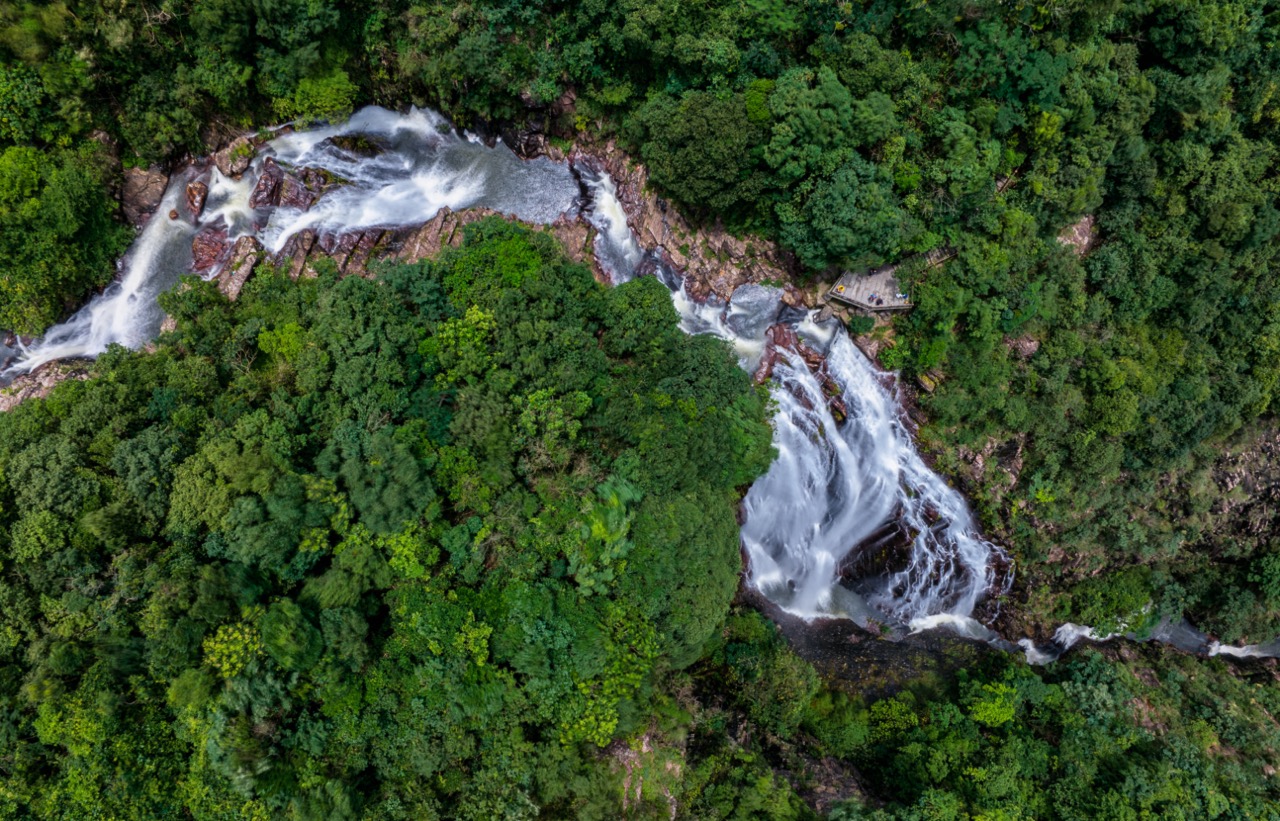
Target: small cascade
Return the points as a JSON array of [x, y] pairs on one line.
[[125, 313], [616, 247]]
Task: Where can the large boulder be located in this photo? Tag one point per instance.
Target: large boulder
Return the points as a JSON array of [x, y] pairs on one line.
[[207, 247], [143, 190], [234, 159], [197, 193], [776, 338], [294, 193], [266, 191]]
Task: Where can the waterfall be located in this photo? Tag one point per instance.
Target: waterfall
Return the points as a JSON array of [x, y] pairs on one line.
[[848, 522]]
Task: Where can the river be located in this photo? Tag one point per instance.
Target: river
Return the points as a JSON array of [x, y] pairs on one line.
[[849, 521]]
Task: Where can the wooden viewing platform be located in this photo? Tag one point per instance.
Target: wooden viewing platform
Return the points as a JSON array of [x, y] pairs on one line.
[[879, 289]]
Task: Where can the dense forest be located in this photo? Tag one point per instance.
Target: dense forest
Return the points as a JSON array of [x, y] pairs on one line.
[[341, 549]]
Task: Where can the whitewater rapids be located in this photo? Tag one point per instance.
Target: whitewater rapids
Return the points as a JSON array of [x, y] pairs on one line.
[[848, 522]]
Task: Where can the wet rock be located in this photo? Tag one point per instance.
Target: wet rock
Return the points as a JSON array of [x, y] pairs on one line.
[[143, 190], [197, 193], [776, 338], [342, 248], [244, 258], [266, 191], [234, 160], [869, 664], [207, 248], [39, 383], [839, 410], [173, 213], [526, 142], [294, 193], [361, 145], [796, 298], [887, 550]]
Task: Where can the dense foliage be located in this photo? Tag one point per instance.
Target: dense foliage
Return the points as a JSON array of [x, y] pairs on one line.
[[421, 547], [380, 546], [1141, 735], [57, 236], [856, 133]]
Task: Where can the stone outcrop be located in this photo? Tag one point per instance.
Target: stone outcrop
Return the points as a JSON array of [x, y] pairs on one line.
[[776, 338], [207, 247], [234, 159], [714, 261], [266, 191], [359, 145], [1080, 236], [244, 258], [578, 240], [783, 337], [296, 250], [40, 382], [445, 228], [197, 193], [140, 197]]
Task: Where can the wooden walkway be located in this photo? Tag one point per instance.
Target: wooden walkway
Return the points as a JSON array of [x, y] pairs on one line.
[[879, 289]]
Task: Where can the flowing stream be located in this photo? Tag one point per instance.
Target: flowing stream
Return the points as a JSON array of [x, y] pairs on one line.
[[848, 522]]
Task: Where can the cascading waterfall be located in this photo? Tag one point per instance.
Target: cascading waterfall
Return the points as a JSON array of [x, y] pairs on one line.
[[833, 486], [423, 166], [125, 313], [849, 521]]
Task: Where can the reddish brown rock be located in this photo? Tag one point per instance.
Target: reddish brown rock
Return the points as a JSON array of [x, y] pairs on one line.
[[430, 238], [796, 298], [197, 193], [294, 193], [207, 248], [358, 262], [445, 228], [296, 250], [342, 248], [266, 191], [776, 338]]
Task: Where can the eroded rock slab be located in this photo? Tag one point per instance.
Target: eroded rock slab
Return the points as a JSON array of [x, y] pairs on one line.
[[39, 383], [141, 195], [244, 258]]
